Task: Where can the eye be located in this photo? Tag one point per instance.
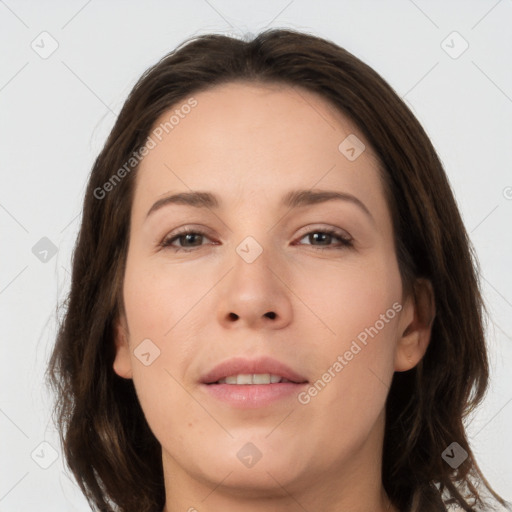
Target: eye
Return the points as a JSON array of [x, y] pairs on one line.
[[190, 239], [325, 237], [185, 236]]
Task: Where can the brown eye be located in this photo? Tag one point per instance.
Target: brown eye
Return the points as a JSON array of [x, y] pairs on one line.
[[325, 237], [188, 240]]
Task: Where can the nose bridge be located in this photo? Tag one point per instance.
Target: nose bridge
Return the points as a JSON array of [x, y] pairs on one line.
[[252, 266]]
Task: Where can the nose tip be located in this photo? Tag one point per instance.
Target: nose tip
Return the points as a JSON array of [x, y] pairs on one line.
[[254, 294]]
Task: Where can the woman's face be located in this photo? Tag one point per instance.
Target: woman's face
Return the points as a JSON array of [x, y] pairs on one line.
[[262, 288]]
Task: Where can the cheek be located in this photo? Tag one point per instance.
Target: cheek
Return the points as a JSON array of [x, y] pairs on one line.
[[161, 344], [159, 299], [358, 312], [346, 298]]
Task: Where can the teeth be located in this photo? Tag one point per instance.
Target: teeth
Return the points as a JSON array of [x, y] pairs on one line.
[[256, 378], [244, 378]]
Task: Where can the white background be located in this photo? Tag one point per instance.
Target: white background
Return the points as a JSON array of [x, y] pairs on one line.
[[56, 113]]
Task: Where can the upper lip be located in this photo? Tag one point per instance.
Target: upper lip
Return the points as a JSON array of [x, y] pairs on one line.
[[240, 365]]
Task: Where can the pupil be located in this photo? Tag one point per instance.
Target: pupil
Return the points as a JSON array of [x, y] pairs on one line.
[[317, 235], [190, 235]]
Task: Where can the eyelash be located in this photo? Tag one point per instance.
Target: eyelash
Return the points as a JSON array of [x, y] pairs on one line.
[[166, 242]]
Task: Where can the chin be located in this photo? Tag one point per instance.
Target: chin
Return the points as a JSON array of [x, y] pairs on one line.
[[254, 467], [267, 480]]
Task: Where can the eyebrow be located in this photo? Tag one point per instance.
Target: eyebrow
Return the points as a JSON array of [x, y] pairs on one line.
[[293, 199]]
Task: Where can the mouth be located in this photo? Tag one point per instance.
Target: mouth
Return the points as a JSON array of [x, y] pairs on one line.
[[261, 371], [254, 378], [252, 383]]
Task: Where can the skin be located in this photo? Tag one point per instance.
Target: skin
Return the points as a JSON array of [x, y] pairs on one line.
[[249, 144]]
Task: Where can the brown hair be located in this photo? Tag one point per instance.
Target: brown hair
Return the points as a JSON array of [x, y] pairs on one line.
[[107, 443]]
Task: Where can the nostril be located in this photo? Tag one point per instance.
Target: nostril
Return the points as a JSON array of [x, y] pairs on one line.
[[271, 315], [233, 316]]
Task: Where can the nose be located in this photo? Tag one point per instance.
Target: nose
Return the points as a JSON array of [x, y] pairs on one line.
[[255, 295]]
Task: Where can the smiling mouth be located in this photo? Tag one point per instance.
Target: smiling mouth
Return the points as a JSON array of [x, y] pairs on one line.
[[240, 374], [246, 384], [254, 378]]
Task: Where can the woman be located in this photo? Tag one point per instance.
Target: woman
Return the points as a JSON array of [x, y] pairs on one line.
[[274, 304]]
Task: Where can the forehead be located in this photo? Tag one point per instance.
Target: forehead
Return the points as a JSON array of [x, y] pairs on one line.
[[243, 139]]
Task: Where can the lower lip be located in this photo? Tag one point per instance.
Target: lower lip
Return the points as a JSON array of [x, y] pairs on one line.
[[252, 396]]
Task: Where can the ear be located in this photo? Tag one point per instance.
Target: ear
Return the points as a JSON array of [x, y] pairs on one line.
[[122, 362], [415, 326]]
